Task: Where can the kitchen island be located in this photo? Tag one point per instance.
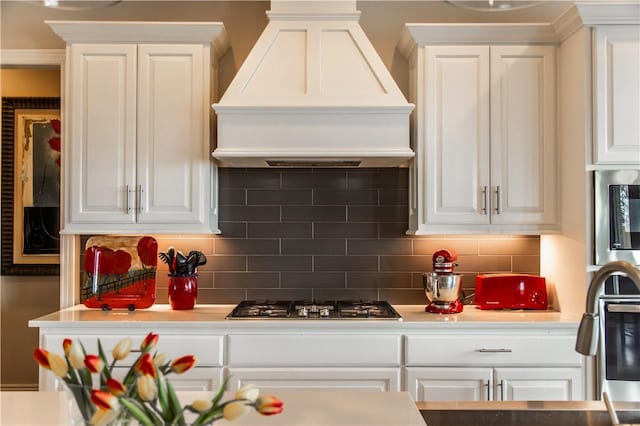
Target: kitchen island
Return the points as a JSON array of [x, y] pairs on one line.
[[310, 407]]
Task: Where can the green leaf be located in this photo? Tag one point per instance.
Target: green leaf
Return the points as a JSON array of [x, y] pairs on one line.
[[137, 411], [220, 393], [166, 409], [175, 404]]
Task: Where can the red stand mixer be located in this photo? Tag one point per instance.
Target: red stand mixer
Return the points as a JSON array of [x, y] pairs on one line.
[[442, 286]]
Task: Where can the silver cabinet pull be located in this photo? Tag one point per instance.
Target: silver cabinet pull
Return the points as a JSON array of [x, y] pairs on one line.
[[127, 191], [498, 209], [501, 387], [623, 308], [487, 386], [484, 199], [139, 199], [496, 350]]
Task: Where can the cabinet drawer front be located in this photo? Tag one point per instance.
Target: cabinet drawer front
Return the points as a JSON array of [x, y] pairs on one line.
[[207, 349], [313, 350], [491, 350]]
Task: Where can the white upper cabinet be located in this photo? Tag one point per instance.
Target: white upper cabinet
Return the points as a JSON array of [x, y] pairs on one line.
[[616, 75], [138, 114], [484, 131]]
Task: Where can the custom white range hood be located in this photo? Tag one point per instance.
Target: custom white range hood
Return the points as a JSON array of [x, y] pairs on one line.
[[313, 93]]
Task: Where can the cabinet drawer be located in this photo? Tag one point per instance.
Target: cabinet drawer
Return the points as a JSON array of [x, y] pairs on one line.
[[491, 350], [207, 349], [317, 350]]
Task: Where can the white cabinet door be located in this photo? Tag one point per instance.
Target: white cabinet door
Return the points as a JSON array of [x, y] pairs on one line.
[[449, 383], [171, 150], [523, 134], [456, 114], [101, 150], [373, 379], [617, 94], [138, 156], [538, 384]]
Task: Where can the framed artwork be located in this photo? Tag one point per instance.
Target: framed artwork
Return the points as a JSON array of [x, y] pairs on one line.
[[31, 149]]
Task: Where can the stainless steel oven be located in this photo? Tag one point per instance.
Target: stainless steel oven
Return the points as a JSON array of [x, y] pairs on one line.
[[617, 215], [619, 363]]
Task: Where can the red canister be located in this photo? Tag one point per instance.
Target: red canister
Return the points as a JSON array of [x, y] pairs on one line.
[[183, 292]]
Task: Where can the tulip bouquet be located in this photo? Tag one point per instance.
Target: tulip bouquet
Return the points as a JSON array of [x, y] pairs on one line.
[[144, 395]]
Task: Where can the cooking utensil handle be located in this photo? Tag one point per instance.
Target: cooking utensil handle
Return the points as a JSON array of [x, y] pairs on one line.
[[498, 209], [497, 350], [139, 199], [484, 199]]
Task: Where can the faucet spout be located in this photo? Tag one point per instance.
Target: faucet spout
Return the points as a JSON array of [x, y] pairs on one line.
[[587, 340]]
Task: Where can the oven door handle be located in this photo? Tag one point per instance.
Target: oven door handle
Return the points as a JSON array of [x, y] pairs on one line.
[[624, 308]]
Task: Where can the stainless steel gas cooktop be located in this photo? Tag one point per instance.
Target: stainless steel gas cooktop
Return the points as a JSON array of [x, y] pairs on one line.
[[321, 310]]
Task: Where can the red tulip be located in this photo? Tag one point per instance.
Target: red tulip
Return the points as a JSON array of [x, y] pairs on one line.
[[103, 399], [146, 366], [55, 123], [149, 342], [42, 357], [115, 387], [182, 364], [148, 251], [66, 345], [269, 405], [93, 363], [54, 143]]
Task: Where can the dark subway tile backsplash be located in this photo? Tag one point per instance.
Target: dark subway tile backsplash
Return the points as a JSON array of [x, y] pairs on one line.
[[329, 234]]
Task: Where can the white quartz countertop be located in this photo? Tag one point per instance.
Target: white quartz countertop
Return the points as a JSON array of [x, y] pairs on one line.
[[213, 317], [301, 407]]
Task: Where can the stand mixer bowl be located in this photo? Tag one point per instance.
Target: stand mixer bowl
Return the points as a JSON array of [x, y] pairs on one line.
[[442, 288]]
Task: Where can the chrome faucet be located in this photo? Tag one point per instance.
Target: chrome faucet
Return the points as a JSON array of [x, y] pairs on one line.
[[587, 341]]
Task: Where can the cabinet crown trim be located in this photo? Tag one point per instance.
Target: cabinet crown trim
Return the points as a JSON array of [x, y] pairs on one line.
[[490, 33], [141, 32]]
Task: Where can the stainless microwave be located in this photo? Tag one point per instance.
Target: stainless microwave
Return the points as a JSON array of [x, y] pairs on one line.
[[617, 215]]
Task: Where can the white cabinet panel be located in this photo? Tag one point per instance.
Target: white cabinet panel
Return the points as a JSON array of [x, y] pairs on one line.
[[271, 379], [172, 169], [449, 384], [617, 94], [539, 384], [102, 137], [310, 350], [456, 113], [523, 134]]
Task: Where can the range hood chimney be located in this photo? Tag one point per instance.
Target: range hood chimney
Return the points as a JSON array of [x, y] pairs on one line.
[[313, 93]]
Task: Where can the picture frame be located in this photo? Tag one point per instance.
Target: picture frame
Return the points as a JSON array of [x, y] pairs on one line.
[[30, 196]]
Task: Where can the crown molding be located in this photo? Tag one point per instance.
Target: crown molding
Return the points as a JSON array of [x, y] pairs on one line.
[[32, 57]]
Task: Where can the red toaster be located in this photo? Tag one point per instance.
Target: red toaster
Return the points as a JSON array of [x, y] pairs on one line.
[[510, 291]]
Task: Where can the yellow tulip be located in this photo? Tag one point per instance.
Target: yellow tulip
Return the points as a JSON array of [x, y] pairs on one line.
[[235, 410], [249, 392], [104, 417], [147, 388], [58, 365], [201, 405], [160, 359], [122, 349], [75, 355]]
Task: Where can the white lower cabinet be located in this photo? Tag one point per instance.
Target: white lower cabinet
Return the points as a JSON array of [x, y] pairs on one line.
[[206, 376], [487, 384], [497, 366], [315, 361], [374, 379]]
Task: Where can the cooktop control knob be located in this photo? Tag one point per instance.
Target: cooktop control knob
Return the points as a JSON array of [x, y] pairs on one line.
[[324, 312], [303, 312]]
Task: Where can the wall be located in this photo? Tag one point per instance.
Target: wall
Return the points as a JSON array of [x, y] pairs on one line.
[[24, 297], [329, 234]]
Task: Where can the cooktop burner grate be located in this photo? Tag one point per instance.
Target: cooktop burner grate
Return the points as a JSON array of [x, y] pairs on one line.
[[304, 309]]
